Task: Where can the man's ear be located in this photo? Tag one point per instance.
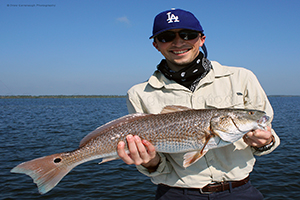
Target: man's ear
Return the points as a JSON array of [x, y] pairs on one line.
[[155, 45], [202, 40]]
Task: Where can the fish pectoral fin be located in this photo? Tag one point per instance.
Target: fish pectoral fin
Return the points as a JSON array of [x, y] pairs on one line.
[[107, 159], [192, 157], [170, 109]]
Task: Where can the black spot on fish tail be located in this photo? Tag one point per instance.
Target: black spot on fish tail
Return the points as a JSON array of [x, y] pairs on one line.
[[57, 160]]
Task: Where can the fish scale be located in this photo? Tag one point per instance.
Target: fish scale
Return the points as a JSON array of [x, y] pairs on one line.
[[177, 129], [159, 129]]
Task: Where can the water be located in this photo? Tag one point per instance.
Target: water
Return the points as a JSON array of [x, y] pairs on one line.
[[31, 128]]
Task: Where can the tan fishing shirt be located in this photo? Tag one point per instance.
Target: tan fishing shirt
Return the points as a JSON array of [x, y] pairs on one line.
[[222, 87]]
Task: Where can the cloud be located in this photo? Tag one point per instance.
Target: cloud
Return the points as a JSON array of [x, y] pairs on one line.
[[123, 20]]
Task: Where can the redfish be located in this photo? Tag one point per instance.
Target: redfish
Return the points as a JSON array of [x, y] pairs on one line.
[[176, 129]]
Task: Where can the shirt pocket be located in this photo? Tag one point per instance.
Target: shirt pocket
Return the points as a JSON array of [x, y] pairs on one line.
[[232, 100]]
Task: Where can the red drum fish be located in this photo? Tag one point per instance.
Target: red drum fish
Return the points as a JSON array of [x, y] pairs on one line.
[[176, 129]]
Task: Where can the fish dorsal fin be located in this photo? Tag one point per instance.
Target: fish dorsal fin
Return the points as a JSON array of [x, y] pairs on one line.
[[170, 109], [108, 125]]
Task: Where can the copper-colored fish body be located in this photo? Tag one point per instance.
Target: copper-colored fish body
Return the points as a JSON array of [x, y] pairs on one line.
[[176, 129]]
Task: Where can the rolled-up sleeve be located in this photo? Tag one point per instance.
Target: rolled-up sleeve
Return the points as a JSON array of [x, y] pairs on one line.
[[257, 99], [276, 144], [164, 167]]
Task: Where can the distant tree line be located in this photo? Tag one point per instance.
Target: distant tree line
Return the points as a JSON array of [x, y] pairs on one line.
[[58, 96], [88, 96]]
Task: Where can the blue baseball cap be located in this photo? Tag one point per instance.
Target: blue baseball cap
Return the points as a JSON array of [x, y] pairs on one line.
[[175, 19]]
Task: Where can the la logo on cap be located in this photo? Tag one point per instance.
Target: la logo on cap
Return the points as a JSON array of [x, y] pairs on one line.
[[172, 17]]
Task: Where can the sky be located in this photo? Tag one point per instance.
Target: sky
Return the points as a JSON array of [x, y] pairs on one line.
[[97, 47]]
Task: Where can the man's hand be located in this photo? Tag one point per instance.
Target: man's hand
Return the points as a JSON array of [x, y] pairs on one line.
[[141, 152], [258, 138]]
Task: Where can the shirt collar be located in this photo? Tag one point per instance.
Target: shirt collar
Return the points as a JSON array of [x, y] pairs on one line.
[[158, 80]]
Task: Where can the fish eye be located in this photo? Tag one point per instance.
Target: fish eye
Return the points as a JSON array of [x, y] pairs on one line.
[[251, 113]]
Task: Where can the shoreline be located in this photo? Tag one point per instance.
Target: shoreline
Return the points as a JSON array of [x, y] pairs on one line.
[[58, 96], [87, 96]]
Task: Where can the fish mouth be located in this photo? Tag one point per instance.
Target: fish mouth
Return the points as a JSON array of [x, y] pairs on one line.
[[262, 122]]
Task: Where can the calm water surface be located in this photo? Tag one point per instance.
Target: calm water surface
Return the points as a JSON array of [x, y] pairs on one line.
[[30, 128]]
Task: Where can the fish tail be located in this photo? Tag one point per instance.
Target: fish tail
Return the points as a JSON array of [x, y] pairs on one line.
[[46, 171]]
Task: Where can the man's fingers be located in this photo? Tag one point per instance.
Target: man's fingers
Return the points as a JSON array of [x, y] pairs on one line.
[[141, 148], [134, 150], [258, 138], [122, 153], [151, 149], [262, 134], [140, 151]]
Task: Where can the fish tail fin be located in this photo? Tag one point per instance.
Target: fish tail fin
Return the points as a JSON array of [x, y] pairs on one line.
[[46, 171]]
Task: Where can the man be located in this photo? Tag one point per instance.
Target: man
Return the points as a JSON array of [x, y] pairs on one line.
[[187, 78]]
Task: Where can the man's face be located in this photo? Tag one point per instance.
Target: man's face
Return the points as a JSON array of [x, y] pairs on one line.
[[179, 52]]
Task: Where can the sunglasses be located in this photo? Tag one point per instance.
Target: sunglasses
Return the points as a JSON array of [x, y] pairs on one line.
[[169, 36]]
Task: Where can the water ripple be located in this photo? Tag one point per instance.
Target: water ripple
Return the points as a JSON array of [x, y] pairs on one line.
[[31, 128]]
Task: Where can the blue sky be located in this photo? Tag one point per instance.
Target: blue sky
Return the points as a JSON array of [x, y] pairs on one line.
[[77, 47]]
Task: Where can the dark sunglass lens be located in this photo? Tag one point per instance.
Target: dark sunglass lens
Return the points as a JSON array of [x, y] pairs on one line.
[[188, 35], [166, 36]]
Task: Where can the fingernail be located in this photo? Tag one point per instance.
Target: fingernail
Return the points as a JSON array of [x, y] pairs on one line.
[[145, 142], [137, 138]]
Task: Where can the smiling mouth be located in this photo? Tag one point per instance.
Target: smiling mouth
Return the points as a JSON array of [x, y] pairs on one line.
[[180, 51]]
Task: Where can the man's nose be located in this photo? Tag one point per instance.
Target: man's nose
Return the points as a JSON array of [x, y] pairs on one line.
[[178, 40]]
